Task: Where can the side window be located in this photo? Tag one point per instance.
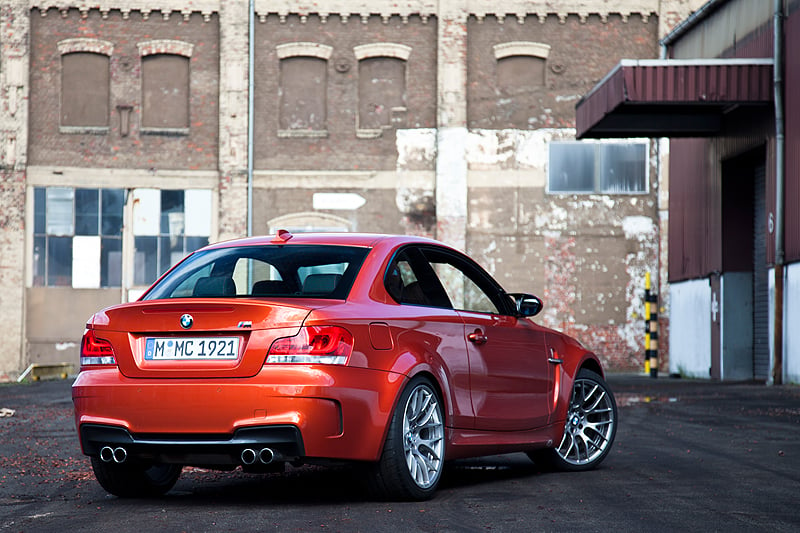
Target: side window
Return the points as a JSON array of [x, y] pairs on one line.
[[465, 294], [411, 280], [402, 283], [467, 287]]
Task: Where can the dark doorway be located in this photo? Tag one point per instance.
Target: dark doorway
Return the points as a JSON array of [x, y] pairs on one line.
[[744, 350]]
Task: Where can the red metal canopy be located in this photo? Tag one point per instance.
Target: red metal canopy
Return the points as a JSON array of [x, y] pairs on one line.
[[673, 98]]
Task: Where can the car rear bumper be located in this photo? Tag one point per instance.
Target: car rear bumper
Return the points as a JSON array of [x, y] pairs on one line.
[[331, 412], [253, 446]]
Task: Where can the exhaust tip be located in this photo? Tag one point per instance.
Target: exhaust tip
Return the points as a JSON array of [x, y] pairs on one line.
[[120, 455], [249, 456], [266, 456], [106, 454]]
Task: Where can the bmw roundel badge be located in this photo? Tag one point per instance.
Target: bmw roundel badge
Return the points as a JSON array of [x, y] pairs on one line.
[[187, 321]]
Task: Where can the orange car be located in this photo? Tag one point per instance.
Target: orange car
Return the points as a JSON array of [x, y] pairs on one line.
[[394, 352]]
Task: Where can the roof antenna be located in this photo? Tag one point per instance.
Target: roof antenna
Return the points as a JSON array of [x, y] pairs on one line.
[[282, 235]]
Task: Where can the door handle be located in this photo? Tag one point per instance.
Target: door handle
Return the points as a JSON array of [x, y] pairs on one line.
[[477, 337], [554, 358]]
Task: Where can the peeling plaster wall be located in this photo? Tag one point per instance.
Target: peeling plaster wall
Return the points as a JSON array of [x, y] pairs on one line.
[[586, 255]]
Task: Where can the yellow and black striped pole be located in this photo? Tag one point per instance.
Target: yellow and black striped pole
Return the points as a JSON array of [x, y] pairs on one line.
[[650, 328]]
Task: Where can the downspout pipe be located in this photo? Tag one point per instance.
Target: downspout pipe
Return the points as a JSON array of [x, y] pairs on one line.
[[251, 47], [780, 171]]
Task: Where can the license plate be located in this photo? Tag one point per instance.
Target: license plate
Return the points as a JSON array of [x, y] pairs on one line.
[[192, 348]]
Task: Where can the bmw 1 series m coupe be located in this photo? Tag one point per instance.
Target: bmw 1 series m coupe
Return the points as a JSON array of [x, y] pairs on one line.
[[394, 353]]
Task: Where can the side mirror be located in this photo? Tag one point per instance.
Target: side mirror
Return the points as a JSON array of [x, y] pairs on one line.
[[527, 304]]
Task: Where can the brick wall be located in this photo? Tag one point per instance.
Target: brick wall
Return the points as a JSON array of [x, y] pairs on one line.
[[341, 149], [48, 146]]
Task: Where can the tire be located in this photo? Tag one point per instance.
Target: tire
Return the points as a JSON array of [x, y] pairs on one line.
[[411, 464], [135, 480], [589, 430]]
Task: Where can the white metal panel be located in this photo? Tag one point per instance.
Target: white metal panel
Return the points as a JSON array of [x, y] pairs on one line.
[[146, 212], [197, 206], [690, 328], [736, 295], [791, 318], [86, 262]]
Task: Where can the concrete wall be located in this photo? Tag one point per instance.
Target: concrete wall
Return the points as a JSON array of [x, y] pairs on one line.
[[14, 94], [690, 328]]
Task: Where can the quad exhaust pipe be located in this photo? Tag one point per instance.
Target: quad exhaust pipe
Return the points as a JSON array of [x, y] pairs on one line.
[[118, 455], [264, 456], [249, 456]]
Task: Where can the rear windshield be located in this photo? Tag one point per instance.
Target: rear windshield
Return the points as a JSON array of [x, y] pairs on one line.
[[285, 271]]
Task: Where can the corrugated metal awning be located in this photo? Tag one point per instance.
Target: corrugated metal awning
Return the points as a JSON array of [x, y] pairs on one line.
[[672, 98]]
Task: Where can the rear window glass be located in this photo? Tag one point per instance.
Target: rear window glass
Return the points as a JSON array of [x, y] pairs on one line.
[[285, 271]]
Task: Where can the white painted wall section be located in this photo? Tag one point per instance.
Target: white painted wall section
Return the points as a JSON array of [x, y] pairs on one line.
[[690, 328], [86, 262], [791, 333]]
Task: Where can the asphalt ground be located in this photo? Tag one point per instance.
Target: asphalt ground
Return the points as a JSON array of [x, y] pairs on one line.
[[689, 456]]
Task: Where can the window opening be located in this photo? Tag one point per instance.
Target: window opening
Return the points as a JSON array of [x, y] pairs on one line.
[[598, 167]]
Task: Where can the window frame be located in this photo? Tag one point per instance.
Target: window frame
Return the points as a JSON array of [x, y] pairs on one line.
[[421, 258], [45, 273], [94, 129], [597, 175], [307, 50], [166, 47], [397, 114]]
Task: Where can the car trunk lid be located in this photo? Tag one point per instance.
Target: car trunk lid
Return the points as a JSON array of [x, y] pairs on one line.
[[196, 338]]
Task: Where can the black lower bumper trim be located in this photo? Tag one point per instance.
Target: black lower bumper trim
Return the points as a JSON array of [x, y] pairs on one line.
[[285, 441]]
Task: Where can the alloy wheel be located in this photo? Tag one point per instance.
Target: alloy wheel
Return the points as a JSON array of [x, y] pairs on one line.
[[590, 423], [423, 436]]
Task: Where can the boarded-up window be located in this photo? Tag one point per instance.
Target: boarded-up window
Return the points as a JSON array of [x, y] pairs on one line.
[[518, 74], [381, 91], [84, 90], [303, 87], [165, 92], [518, 77]]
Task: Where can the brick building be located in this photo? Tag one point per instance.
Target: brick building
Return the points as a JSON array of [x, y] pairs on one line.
[[124, 130]]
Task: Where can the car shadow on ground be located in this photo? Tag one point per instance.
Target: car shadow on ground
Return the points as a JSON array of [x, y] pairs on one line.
[[310, 485]]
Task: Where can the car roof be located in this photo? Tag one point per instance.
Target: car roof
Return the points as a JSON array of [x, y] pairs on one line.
[[283, 237]]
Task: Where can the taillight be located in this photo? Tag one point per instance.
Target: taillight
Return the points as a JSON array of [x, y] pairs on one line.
[[327, 345], [96, 351]]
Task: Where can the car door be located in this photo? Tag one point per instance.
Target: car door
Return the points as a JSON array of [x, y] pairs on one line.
[[510, 376], [430, 327]]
